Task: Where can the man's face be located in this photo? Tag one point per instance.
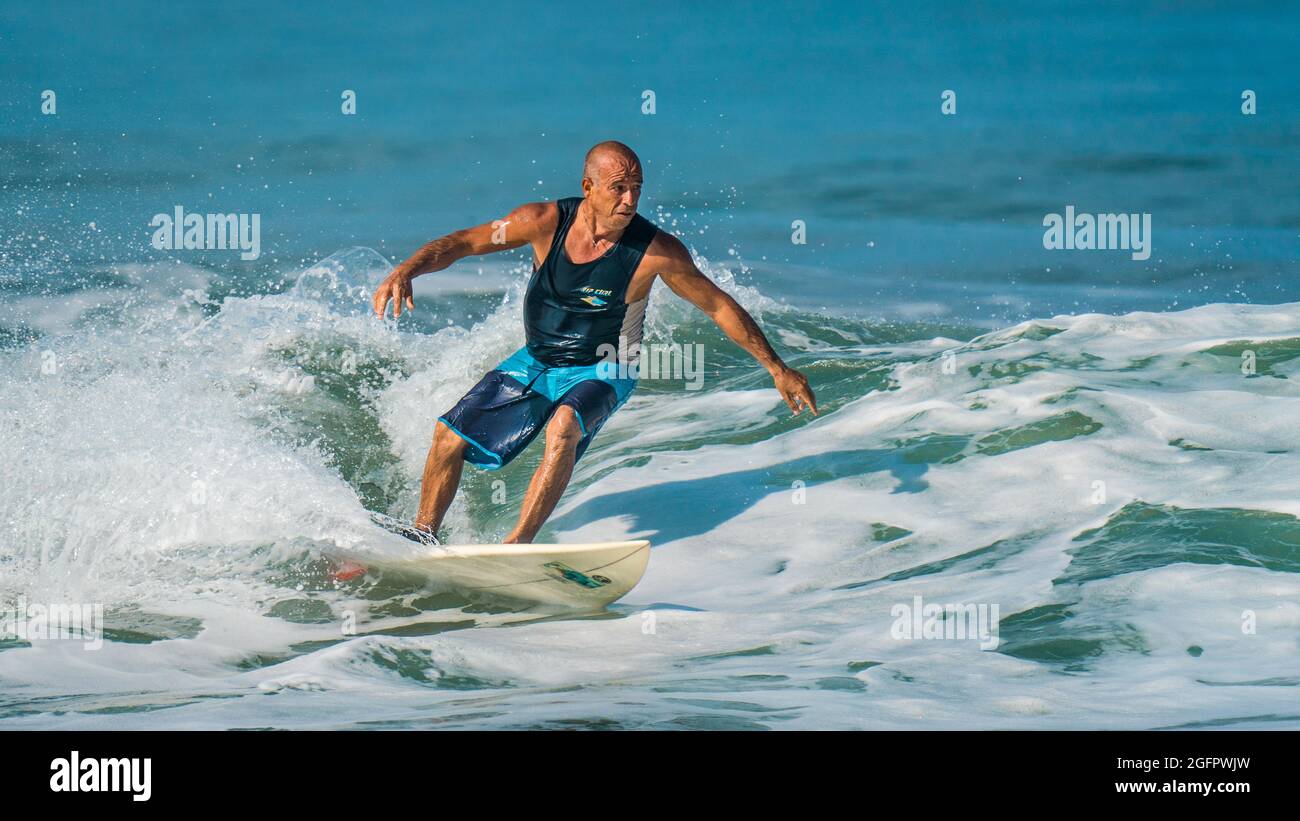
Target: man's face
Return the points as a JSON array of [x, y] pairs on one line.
[[614, 191]]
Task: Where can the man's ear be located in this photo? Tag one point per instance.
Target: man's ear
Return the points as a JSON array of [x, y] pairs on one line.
[[587, 185]]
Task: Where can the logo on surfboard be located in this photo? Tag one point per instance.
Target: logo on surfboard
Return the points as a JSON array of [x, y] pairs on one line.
[[561, 571]]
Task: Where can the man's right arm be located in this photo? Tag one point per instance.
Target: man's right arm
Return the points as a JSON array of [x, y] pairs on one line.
[[528, 223]]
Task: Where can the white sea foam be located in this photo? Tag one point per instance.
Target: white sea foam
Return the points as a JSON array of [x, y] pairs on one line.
[[170, 468]]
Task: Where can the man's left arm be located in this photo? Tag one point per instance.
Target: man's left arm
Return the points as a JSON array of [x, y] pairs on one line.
[[679, 272]]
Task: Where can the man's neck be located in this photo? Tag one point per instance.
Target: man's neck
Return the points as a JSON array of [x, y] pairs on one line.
[[591, 232]]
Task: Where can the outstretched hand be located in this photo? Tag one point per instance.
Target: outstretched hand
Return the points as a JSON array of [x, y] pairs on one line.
[[396, 287], [794, 389]]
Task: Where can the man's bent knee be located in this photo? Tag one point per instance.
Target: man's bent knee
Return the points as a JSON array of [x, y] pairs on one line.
[[447, 440], [564, 431]]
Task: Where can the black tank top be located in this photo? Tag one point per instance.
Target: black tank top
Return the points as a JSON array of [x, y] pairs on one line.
[[571, 310]]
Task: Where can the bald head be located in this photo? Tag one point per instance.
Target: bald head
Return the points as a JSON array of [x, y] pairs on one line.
[[611, 184], [609, 155]]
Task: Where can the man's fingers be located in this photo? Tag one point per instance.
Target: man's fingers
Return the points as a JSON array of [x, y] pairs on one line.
[[810, 399], [397, 292], [807, 396], [797, 394], [387, 292]]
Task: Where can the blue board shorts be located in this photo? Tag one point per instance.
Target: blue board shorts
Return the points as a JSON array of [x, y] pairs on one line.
[[501, 415]]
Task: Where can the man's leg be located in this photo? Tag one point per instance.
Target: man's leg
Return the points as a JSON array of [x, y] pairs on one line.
[[551, 477], [442, 469]]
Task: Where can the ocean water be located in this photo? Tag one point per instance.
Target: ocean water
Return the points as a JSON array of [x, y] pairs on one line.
[[1100, 448]]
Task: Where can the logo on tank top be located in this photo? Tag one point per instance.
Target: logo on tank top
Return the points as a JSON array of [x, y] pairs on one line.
[[592, 299]]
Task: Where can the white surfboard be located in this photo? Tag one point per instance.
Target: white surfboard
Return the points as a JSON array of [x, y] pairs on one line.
[[569, 575]]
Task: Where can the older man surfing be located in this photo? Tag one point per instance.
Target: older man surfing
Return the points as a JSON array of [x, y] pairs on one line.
[[594, 262]]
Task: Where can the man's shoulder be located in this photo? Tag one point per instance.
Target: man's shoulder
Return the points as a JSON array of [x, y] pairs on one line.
[[538, 219], [539, 210], [665, 246]]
